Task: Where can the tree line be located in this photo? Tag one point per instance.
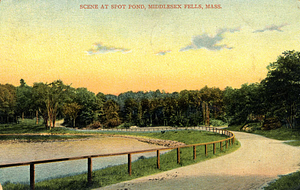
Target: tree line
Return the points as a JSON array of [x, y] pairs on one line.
[[276, 96]]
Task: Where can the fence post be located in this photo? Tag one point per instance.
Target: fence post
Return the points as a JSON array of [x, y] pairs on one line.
[[226, 144], [89, 177], [214, 148], [158, 159], [32, 180], [205, 150], [178, 155], [194, 151], [129, 164], [221, 146]]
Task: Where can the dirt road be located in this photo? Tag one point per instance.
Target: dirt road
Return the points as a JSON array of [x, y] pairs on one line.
[[259, 161]]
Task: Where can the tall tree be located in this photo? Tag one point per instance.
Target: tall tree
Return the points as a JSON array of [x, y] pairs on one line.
[[111, 113], [72, 110], [49, 99], [24, 98], [39, 97], [7, 102], [282, 87]]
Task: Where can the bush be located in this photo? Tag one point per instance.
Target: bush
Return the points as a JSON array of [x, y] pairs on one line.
[[250, 127], [216, 122], [124, 126], [94, 125], [111, 123]]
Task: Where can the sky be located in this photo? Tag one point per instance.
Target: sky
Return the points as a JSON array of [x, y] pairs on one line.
[[117, 50]]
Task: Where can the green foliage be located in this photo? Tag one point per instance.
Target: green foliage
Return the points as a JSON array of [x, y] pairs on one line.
[[25, 126], [282, 87], [41, 138], [95, 125], [24, 101], [294, 143], [125, 126], [244, 104], [290, 181], [276, 96], [72, 110], [216, 122], [279, 134], [7, 103], [185, 136]]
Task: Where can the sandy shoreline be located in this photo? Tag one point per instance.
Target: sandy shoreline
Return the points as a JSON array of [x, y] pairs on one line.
[[160, 142]]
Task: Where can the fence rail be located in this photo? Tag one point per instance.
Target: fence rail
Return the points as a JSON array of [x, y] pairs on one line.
[[227, 141]]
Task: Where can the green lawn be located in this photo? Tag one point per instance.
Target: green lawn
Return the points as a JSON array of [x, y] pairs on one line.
[[287, 182], [279, 134]]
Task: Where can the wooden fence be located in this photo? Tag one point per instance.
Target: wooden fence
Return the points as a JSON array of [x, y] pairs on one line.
[[228, 142]]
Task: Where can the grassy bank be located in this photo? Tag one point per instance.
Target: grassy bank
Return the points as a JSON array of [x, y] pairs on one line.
[[40, 138], [290, 181], [30, 126], [286, 134], [141, 167]]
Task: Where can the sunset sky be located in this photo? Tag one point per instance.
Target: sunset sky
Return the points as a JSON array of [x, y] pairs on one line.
[[117, 50]]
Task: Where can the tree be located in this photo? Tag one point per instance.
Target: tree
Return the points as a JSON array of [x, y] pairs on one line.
[[212, 99], [39, 97], [131, 110], [24, 98], [244, 104], [89, 103], [111, 113], [56, 96], [7, 102], [49, 99], [282, 87], [72, 110]]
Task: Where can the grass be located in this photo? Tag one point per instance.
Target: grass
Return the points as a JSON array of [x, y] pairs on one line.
[[286, 182], [279, 134], [293, 143], [141, 167], [28, 130], [40, 138], [29, 126], [185, 136]]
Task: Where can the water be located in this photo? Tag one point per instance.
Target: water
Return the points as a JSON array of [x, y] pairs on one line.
[[21, 152]]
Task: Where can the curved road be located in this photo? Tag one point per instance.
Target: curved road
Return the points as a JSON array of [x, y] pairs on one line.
[[259, 161]]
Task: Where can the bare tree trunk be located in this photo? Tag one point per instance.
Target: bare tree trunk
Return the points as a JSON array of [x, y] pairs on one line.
[[54, 119], [37, 116], [204, 112], [207, 115], [50, 119]]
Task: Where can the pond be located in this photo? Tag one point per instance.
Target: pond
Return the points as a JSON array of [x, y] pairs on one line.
[[12, 152]]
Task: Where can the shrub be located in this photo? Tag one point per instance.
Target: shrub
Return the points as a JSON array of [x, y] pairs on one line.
[[94, 125], [216, 122]]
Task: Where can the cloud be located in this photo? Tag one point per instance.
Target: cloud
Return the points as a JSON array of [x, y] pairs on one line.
[[163, 52], [271, 28], [100, 49], [210, 42]]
